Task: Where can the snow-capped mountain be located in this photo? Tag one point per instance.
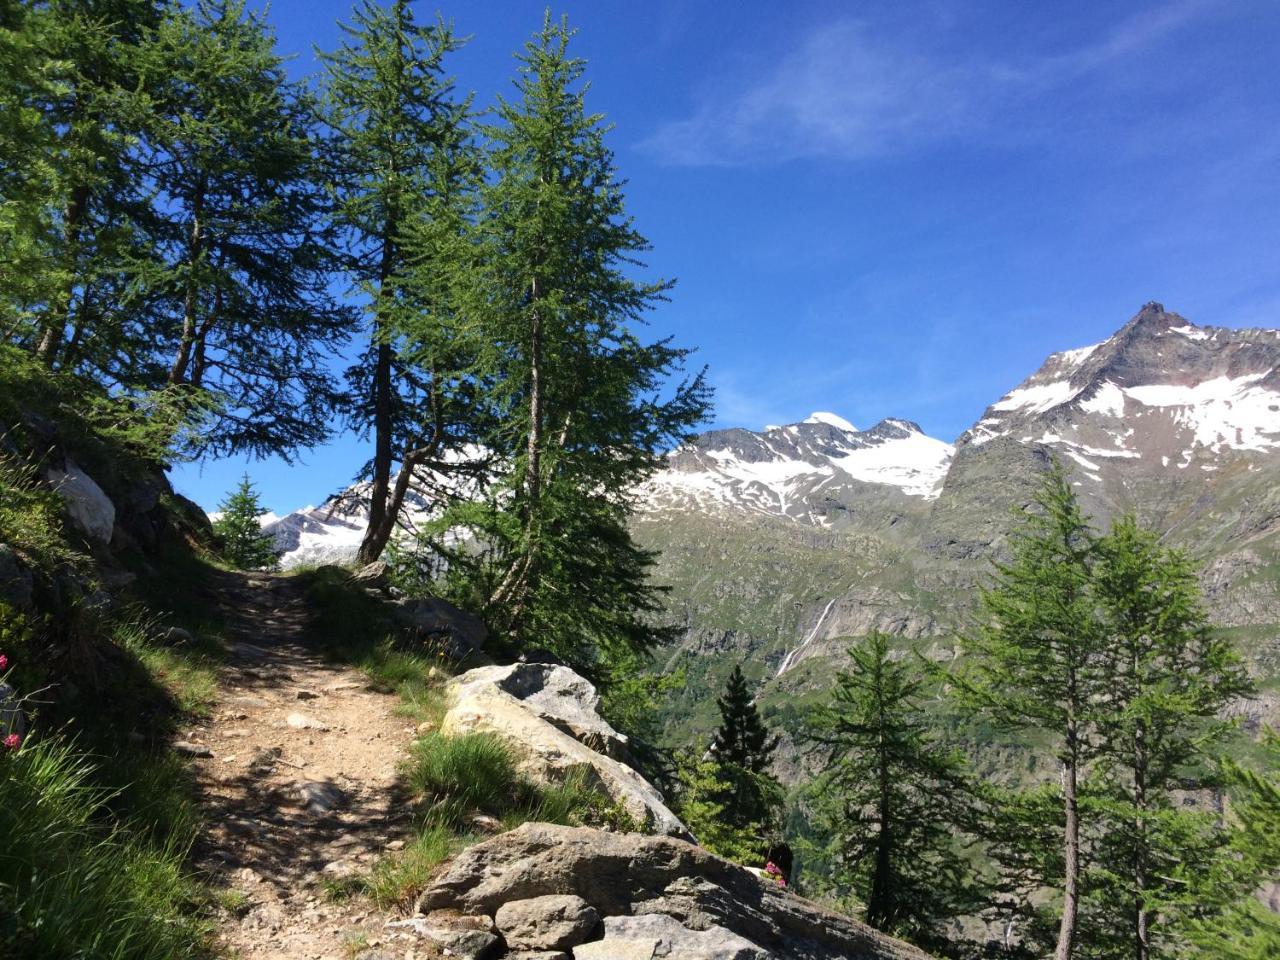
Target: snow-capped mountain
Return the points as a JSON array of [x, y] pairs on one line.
[[793, 470], [1161, 390]]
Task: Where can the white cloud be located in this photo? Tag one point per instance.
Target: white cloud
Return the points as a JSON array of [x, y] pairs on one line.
[[843, 93]]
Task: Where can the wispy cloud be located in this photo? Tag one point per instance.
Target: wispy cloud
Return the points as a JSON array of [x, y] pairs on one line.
[[844, 92]]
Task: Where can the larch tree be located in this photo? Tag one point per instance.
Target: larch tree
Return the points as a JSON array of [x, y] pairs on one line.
[[1169, 677], [81, 202], [1035, 665], [240, 280], [403, 167], [587, 405], [891, 798]]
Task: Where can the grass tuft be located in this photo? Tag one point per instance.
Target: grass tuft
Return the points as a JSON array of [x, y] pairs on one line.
[[71, 886]]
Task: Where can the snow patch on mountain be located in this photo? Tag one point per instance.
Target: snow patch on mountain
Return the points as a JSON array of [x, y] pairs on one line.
[[840, 423], [1223, 413]]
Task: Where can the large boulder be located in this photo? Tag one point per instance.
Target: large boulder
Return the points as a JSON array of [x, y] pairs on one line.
[[90, 509], [659, 894], [548, 713], [458, 633]]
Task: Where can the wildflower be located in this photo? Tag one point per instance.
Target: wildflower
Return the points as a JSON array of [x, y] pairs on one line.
[[4, 662], [11, 741]]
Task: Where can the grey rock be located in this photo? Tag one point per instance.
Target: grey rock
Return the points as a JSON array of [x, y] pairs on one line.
[[553, 922], [558, 701], [321, 796], [16, 582], [175, 636], [625, 874], [192, 749], [537, 955], [457, 632], [374, 575], [613, 948], [300, 721], [90, 509], [667, 937], [471, 938]]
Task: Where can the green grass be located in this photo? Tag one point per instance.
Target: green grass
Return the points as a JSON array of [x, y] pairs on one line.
[[73, 885]]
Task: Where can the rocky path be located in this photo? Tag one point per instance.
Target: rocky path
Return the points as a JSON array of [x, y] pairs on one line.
[[296, 771]]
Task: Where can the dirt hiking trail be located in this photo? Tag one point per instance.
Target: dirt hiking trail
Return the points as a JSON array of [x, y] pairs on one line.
[[296, 775]]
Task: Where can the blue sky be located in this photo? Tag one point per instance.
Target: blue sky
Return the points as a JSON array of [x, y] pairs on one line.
[[900, 209]]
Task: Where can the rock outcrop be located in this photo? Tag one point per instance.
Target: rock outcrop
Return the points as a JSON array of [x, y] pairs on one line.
[[655, 897], [90, 509], [458, 633], [549, 714]]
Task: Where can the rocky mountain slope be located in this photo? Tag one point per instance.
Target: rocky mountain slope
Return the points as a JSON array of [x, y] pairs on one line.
[[1176, 422], [781, 545]]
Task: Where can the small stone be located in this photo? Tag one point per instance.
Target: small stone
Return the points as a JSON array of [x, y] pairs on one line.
[[425, 727], [192, 749], [176, 637], [300, 721], [321, 796], [340, 869], [308, 695], [484, 823], [395, 845]]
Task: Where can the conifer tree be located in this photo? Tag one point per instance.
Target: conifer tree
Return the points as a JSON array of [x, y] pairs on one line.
[[891, 798], [1223, 919], [240, 268], [71, 166], [403, 167], [1035, 666], [1169, 676], [705, 795], [239, 530], [587, 403], [742, 749]]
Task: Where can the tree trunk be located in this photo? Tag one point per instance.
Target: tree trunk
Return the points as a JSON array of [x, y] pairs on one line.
[[55, 326], [190, 307], [879, 903], [1141, 920], [1070, 847], [380, 522], [523, 585]]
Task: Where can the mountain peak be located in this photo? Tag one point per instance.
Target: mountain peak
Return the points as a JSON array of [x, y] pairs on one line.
[[832, 420]]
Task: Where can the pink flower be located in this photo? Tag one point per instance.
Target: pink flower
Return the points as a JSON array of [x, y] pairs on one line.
[[12, 741], [771, 867], [781, 882], [4, 662]]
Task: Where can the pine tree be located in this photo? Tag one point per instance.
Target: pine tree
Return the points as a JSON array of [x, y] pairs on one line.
[[239, 268], [239, 530], [403, 170], [742, 749], [588, 405], [1169, 676], [891, 798], [1035, 666]]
